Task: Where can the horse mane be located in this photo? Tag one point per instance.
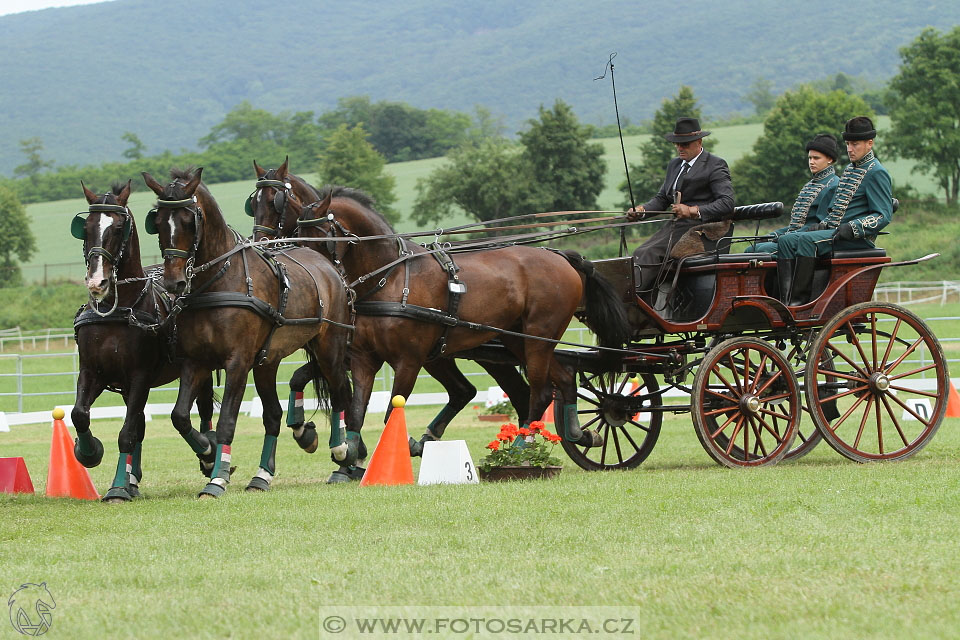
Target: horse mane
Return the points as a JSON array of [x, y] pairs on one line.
[[361, 197], [180, 175], [118, 187]]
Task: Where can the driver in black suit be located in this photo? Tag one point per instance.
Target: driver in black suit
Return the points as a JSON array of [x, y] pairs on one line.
[[698, 191]]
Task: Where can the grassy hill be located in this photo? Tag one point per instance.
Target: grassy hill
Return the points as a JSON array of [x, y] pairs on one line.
[[79, 77]]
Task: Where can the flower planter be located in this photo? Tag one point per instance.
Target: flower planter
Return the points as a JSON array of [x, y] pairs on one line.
[[498, 474], [493, 417]]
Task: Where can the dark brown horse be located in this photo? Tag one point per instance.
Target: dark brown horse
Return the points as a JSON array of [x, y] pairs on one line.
[[245, 309], [275, 206], [525, 296], [113, 353]]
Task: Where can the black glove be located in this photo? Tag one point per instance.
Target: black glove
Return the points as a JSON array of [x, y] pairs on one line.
[[844, 232], [823, 226]]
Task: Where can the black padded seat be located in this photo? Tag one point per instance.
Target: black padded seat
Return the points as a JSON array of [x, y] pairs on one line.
[[861, 253], [726, 258]]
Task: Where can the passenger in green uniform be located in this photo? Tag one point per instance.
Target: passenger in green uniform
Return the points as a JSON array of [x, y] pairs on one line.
[[861, 207], [815, 197]]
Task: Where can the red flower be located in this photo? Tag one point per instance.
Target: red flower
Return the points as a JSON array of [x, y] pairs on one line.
[[523, 431], [537, 426], [506, 437], [552, 437], [494, 446], [509, 429]]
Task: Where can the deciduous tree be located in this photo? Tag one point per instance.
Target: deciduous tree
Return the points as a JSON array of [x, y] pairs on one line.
[[925, 108], [18, 242], [351, 161]]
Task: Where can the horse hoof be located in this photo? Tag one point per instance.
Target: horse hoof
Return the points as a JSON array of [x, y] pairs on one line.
[[212, 490], [118, 495], [258, 484], [134, 491], [346, 474], [92, 460], [416, 448], [590, 438], [308, 440]]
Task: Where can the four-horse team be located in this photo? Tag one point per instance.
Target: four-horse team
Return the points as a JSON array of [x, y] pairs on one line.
[[325, 272]]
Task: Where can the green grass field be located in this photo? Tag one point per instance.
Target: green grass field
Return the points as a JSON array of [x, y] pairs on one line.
[[820, 548]]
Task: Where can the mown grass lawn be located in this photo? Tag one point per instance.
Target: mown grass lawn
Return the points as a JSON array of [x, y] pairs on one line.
[[821, 547]]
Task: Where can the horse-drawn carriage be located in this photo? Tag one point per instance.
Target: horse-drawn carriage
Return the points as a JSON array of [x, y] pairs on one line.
[[763, 381]]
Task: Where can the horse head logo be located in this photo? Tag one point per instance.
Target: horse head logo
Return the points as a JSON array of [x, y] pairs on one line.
[[30, 609]]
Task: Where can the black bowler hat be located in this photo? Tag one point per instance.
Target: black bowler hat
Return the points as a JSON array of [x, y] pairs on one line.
[[686, 130], [825, 144], [859, 128]]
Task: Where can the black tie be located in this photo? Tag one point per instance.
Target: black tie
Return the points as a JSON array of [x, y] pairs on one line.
[[679, 181]]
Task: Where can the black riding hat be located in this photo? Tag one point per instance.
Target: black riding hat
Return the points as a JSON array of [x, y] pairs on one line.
[[686, 130], [825, 144], [859, 128]]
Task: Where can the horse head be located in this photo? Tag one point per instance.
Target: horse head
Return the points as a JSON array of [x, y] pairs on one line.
[[275, 203], [178, 222], [348, 213], [106, 231]]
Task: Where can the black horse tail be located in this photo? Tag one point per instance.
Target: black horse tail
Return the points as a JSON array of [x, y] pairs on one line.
[[604, 313], [320, 385]]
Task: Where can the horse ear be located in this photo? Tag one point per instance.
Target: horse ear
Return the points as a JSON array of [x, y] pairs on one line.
[[324, 204], [260, 170], [191, 187], [124, 194], [282, 171], [89, 195], [155, 186]]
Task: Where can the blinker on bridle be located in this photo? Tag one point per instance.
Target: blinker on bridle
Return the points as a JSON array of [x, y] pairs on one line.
[[279, 203], [78, 229]]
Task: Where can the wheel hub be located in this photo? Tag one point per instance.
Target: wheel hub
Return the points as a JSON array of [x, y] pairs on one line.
[[750, 403], [879, 383], [614, 412]]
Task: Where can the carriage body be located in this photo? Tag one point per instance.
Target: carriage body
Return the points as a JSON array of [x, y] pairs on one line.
[[763, 381]]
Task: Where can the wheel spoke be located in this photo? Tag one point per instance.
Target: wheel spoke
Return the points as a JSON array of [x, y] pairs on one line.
[[591, 421], [903, 356], [842, 419], [863, 423], [896, 423], [716, 433], [845, 376], [714, 412], [761, 368], [626, 434], [910, 410], [856, 342], [890, 340], [737, 392], [876, 405], [773, 432], [717, 394], [859, 389], [616, 444], [758, 436], [733, 369], [929, 394], [848, 360], [914, 372], [873, 342]]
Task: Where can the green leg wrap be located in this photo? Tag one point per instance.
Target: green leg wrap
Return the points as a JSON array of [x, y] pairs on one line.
[[567, 423], [295, 409], [136, 470], [220, 475], [268, 455], [338, 437], [85, 442], [206, 426], [197, 441], [120, 479]]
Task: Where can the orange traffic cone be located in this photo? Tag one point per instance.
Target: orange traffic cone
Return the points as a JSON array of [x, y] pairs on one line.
[[14, 477], [548, 414], [953, 403], [66, 477], [390, 462], [634, 385]]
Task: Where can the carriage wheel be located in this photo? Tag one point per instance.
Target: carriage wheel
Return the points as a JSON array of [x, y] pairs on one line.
[[890, 382], [745, 403], [628, 438]]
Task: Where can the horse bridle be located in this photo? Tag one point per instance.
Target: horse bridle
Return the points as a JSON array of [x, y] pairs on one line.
[[78, 229], [280, 200], [192, 205], [331, 230]]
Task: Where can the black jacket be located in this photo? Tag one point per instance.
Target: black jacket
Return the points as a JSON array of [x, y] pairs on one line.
[[707, 184]]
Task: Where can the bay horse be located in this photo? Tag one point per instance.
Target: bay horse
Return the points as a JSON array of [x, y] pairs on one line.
[[522, 295], [240, 308], [275, 206], [115, 353]]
